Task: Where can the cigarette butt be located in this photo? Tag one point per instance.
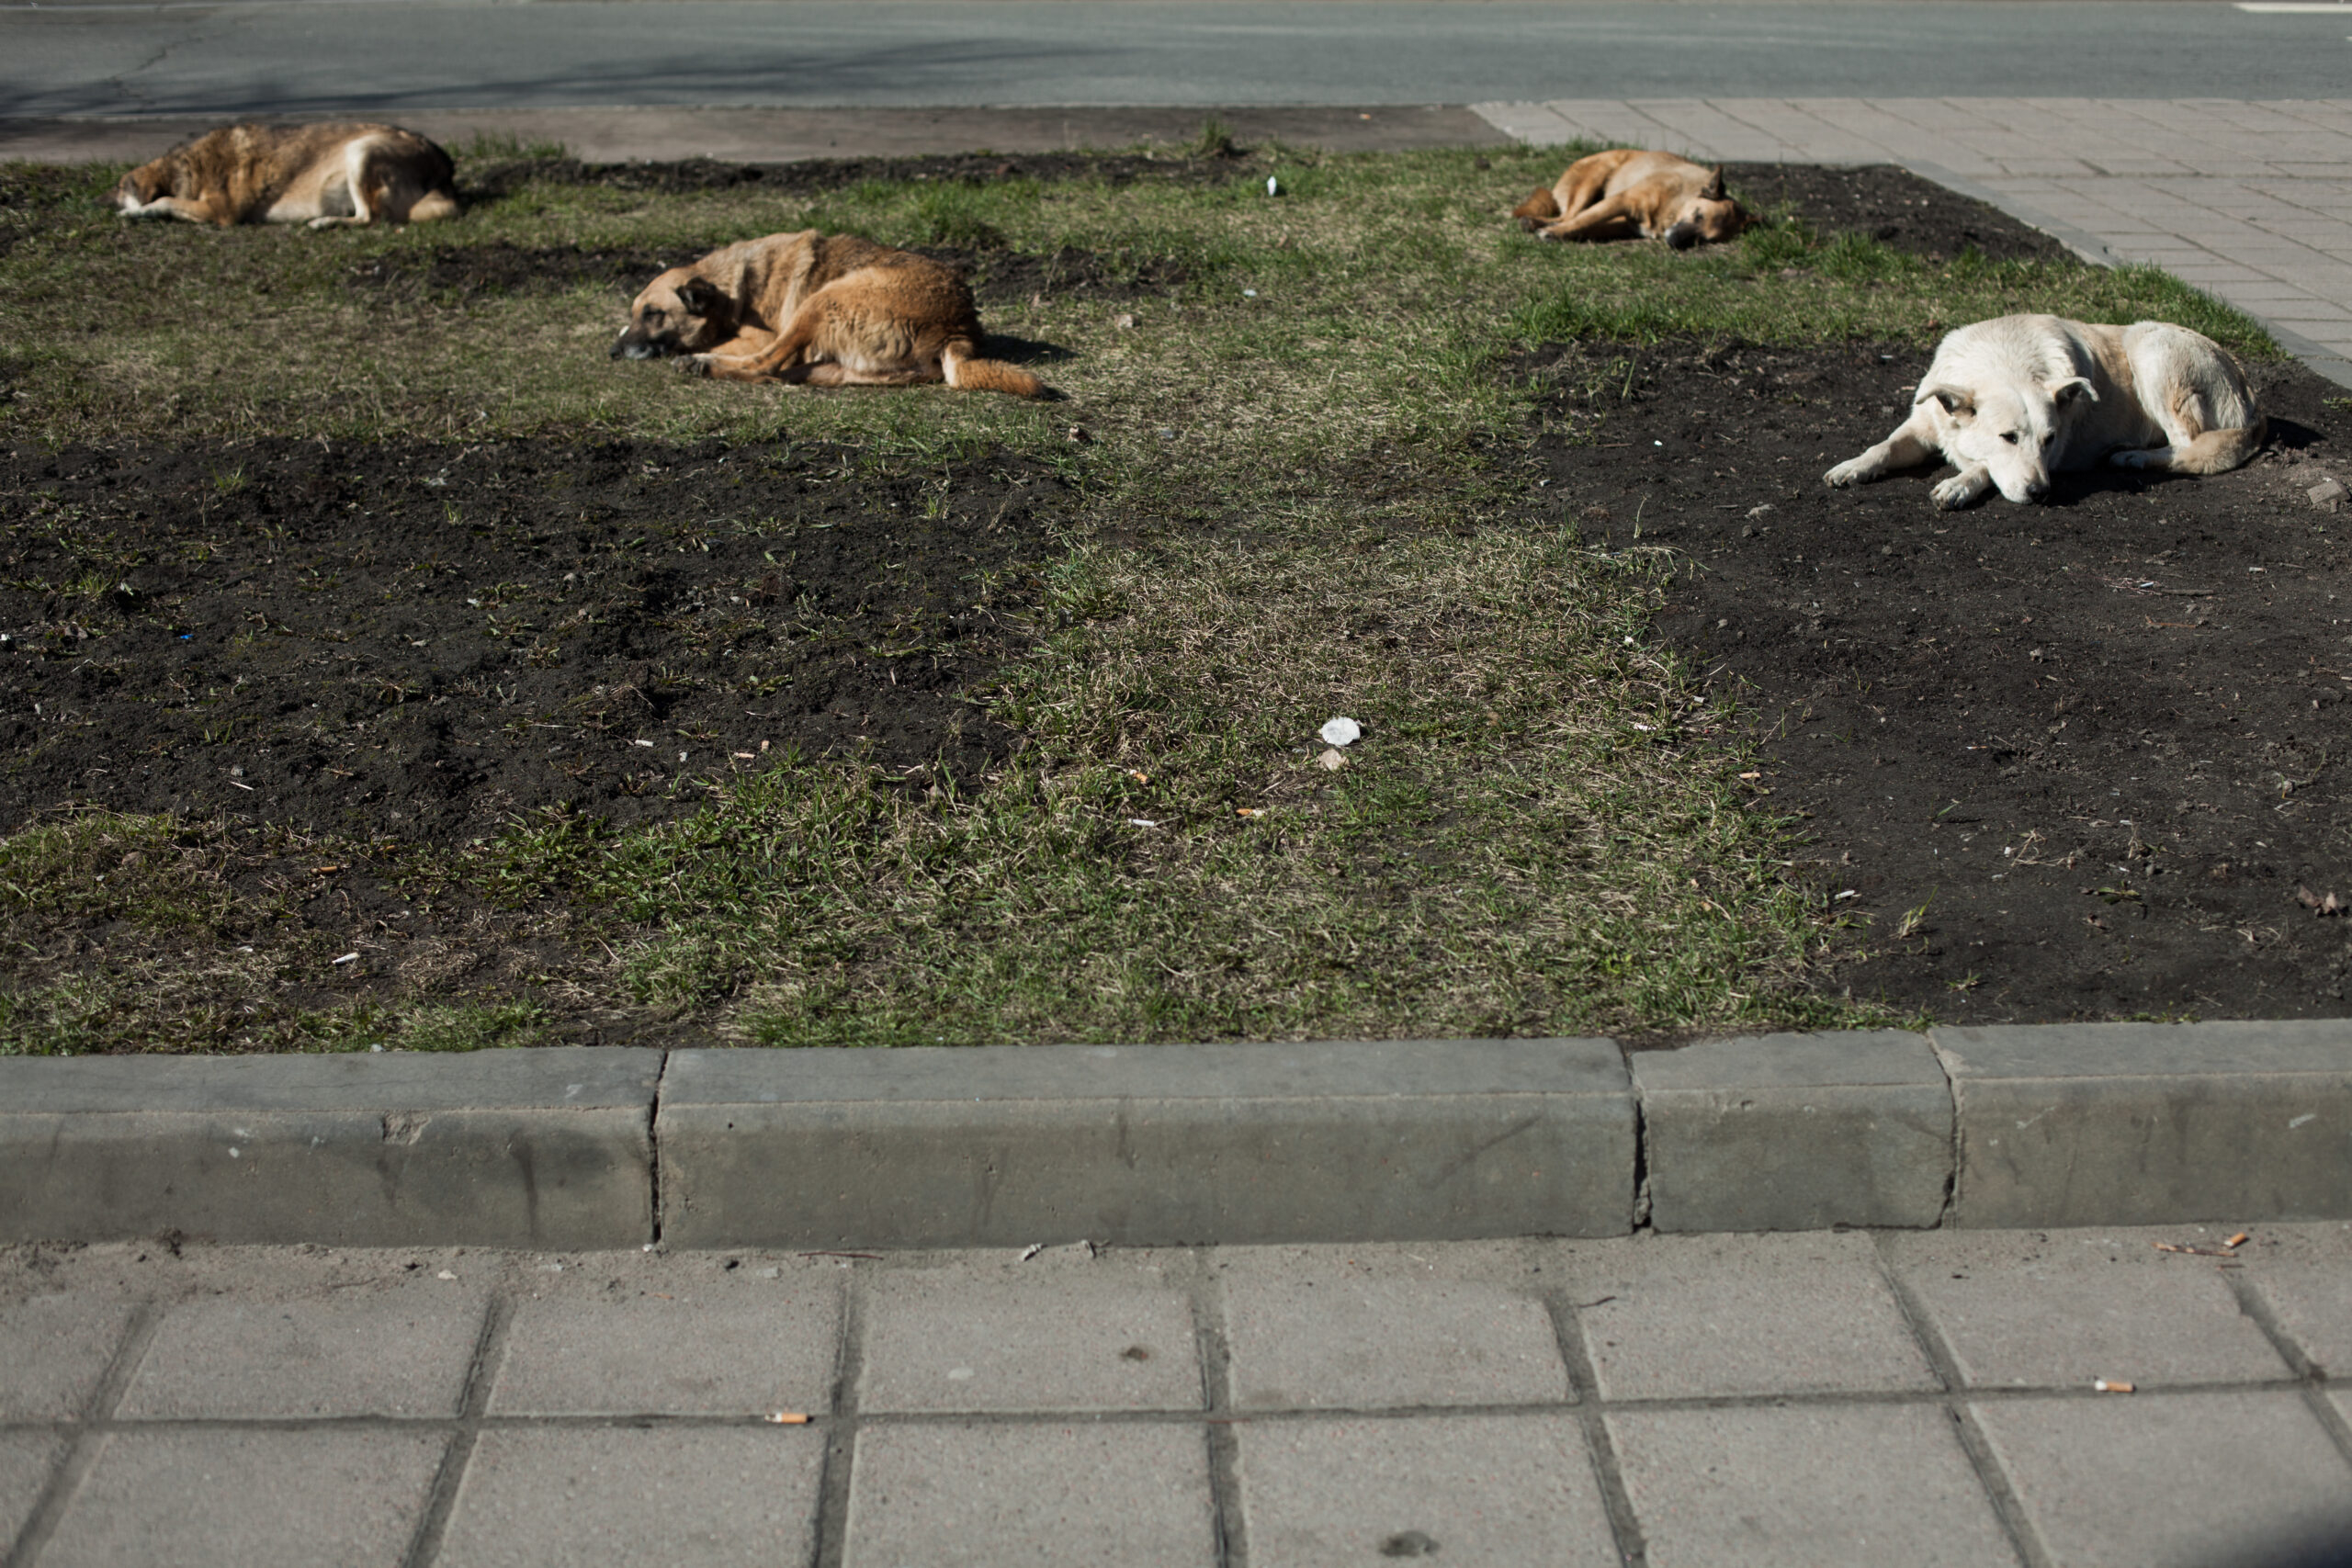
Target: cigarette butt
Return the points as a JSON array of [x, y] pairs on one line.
[[2238, 1240], [2108, 1385], [787, 1419]]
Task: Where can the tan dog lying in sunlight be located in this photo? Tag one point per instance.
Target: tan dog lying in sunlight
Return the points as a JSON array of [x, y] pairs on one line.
[[1613, 195], [324, 176], [831, 311]]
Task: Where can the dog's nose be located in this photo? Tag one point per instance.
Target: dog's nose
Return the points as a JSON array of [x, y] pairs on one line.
[[621, 347], [2036, 488], [1682, 236]]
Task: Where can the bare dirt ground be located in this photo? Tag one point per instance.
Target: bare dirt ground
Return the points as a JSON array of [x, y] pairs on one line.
[[420, 643], [2101, 741]]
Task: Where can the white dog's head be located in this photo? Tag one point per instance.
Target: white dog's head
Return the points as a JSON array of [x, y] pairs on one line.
[[2016, 430]]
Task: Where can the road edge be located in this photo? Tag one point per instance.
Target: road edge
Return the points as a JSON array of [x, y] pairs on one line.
[[570, 1146]]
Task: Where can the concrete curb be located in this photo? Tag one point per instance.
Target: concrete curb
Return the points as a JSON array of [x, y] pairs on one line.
[[1388, 1140], [577, 1147], [541, 1148]]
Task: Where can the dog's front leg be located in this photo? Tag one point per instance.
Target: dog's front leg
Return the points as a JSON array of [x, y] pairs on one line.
[[170, 207], [750, 358], [737, 360], [1910, 445], [727, 367], [1963, 489]]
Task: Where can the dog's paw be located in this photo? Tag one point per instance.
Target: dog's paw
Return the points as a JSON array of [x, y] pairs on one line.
[[693, 365], [2138, 457], [1954, 494], [1852, 471]]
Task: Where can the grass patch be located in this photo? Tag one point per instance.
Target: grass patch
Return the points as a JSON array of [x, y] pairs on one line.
[[1538, 834], [195, 949], [1301, 500]]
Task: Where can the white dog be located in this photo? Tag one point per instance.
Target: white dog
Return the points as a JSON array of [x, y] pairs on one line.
[[2009, 401]]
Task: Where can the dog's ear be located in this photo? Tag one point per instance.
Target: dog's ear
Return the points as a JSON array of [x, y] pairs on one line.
[[1957, 404], [2068, 390], [700, 296], [1714, 191]]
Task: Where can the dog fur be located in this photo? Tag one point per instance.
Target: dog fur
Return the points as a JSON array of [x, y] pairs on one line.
[[2012, 400], [326, 175], [1611, 196], [830, 310]]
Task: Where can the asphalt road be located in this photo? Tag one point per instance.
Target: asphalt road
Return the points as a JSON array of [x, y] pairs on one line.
[[396, 55]]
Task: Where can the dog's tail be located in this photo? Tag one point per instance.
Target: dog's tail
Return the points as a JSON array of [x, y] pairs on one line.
[[965, 371], [433, 206], [2219, 451], [1541, 208]]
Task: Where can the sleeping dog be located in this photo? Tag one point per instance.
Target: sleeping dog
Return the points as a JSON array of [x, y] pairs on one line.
[[324, 176], [1611, 196], [2012, 400], [831, 311]]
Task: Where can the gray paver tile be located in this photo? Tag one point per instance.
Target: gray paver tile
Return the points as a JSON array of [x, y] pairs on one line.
[[2169, 1481], [53, 1351], [1683, 1317], [2020, 1310], [949, 1339], [1364, 1329], [1806, 1486], [25, 1460], [713, 1350], [248, 1499], [637, 1497], [1037, 1495], [404, 1352], [2269, 291], [2313, 1302], [1498, 1489]]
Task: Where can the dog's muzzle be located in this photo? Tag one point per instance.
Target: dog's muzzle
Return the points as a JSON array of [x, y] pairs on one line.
[[627, 347], [1682, 236]]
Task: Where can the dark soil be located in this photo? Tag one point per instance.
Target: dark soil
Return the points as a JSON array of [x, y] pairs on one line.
[[488, 181], [459, 274], [423, 642], [1891, 205], [2101, 740], [463, 273]]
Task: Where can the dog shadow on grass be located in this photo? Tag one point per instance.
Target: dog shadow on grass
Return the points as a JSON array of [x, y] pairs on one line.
[[1030, 353], [1024, 351]]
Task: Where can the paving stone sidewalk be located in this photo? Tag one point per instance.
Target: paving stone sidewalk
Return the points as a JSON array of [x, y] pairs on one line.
[[1814, 1400], [2249, 201]]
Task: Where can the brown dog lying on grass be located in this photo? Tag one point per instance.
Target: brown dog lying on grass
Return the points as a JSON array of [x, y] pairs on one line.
[[1612, 196], [326, 175], [829, 309]]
